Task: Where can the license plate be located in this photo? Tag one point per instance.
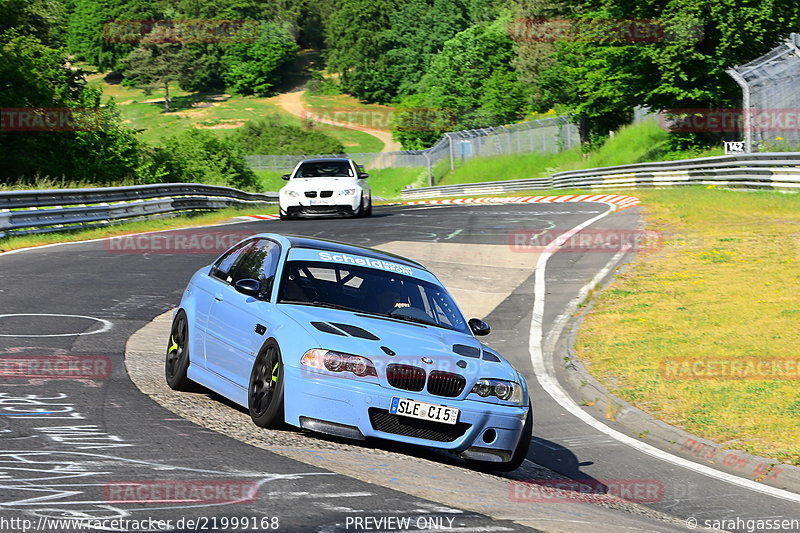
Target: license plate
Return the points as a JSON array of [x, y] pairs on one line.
[[423, 411]]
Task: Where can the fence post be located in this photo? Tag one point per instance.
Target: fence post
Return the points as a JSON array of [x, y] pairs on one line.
[[452, 155], [430, 171], [748, 116]]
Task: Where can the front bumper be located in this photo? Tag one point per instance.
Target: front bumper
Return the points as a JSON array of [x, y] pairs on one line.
[[319, 210], [365, 405], [334, 205]]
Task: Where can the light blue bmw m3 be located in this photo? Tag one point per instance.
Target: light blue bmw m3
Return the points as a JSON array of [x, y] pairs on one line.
[[348, 341]]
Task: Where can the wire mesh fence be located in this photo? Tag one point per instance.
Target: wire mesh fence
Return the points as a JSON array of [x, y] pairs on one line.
[[543, 136], [770, 98]]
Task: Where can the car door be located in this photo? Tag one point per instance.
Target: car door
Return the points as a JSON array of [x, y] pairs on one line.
[[238, 324], [205, 290]]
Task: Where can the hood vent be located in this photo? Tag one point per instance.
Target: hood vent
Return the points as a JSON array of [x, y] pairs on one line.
[[489, 356], [343, 330], [327, 328], [466, 351], [356, 331]]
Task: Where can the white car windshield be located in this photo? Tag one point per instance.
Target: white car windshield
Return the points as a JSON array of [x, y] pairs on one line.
[[325, 169], [369, 290]]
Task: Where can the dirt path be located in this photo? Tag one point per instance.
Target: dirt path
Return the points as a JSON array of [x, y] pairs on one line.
[[292, 102]]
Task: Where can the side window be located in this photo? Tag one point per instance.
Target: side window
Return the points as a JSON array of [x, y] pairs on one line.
[[259, 262], [223, 268]]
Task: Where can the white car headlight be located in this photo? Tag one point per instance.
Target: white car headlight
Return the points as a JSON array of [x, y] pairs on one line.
[[290, 193], [347, 192], [508, 391]]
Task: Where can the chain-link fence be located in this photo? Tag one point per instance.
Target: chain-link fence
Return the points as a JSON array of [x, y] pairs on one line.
[[771, 98], [544, 136]]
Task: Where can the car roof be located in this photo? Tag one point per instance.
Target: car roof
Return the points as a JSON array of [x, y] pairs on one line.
[[325, 160], [340, 247]]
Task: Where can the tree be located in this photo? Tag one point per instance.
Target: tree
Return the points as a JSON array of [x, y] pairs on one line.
[[471, 81], [34, 76], [157, 62], [419, 29], [200, 157], [358, 39], [252, 67]]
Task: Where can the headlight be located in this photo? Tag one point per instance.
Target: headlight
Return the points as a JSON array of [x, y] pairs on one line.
[[508, 391], [338, 362], [291, 194], [347, 192]]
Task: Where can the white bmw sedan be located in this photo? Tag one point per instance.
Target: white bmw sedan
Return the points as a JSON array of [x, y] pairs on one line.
[[319, 187]]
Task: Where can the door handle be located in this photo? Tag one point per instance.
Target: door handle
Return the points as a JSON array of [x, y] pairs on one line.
[[219, 297]]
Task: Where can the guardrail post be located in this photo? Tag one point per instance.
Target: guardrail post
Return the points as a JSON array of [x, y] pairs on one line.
[[5, 222]]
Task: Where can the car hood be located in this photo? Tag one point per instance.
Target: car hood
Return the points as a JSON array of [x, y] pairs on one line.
[[316, 184], [408, 341]]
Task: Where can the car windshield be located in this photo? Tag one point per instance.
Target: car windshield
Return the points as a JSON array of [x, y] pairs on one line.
[[325, 169], [368, 290]]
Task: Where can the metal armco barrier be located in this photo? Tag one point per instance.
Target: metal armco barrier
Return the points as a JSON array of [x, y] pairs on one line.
[[42, 211], [764, 170]]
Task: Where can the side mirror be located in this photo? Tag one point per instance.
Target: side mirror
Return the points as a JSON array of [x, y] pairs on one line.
[[363, 175], [479, 327], [285, 177], [250, 287]]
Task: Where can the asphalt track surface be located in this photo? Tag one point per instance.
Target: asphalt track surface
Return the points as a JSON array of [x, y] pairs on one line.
[[67, 445]]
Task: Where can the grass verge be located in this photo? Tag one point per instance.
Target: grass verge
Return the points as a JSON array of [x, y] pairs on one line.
[[638, 143], [185, 221], [722, 288]]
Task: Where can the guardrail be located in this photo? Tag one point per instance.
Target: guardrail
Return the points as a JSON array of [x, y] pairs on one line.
[[764, 170], [42, 211]]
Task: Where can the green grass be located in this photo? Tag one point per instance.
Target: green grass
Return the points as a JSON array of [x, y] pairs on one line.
[[723, 286], [219, 113], [184, 221], [372, 116], [270, 180], [638, 143], [388, 182]]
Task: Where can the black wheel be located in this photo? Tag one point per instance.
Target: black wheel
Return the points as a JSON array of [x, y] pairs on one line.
[[283, 215], [519, 453], [177, 361], [265, 394], [368, 212]]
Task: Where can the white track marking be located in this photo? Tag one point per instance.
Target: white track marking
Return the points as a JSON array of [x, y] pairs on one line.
[[106, 325], [550, 384]]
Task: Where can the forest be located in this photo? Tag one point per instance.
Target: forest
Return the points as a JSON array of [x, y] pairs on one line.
[[479, 62]]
